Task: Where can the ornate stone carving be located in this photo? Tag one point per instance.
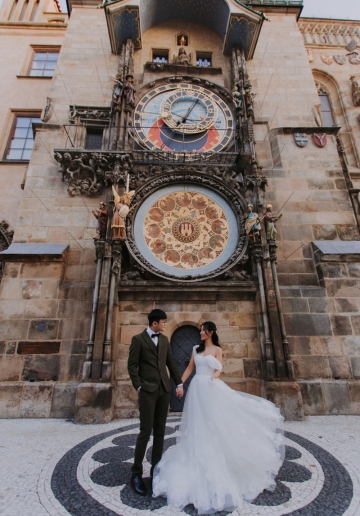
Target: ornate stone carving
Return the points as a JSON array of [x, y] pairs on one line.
[[80, 113], [355, 82], [117, 248], [87, 173], [230, 175], [183, 58], [6, 236], [329, 34], [213, 183]]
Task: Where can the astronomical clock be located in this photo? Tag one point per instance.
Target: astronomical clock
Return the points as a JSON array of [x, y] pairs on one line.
[[186, 225], [183, 118]]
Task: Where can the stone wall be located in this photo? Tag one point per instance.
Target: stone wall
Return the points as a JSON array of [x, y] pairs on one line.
[[43, 328], [237, 329]]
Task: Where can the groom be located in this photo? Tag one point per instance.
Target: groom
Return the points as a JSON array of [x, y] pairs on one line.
[[149, 355]]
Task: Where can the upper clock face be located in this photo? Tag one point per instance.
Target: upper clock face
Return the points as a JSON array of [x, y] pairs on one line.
[[183, 118]]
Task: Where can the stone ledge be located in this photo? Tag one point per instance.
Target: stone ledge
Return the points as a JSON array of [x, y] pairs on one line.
[[336, 251], [35, 253]]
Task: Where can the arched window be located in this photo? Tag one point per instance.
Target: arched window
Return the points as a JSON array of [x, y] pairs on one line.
[[325, 108]]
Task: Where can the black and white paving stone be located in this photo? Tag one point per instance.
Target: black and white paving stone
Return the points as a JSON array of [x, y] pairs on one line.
[[58, 468]]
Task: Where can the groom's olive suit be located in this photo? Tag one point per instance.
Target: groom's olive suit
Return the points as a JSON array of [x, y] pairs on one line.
[[147, 369]]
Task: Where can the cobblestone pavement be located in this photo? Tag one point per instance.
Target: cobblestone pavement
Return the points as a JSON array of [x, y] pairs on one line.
[[58, 468]]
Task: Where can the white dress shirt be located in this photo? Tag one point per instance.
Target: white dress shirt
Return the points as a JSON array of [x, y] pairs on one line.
[[151, 332]]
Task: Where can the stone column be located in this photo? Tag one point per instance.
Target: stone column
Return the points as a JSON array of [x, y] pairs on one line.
[[106, 368], [257, 254], [289, 364], [100, 250]]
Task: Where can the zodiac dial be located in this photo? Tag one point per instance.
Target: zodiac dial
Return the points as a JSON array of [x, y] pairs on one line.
[[183, 118], [186, 230]]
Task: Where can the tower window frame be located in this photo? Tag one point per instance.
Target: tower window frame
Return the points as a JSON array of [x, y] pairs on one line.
[[43, 62], [21, 139], [160, 55], [326, 109], [204, 59]]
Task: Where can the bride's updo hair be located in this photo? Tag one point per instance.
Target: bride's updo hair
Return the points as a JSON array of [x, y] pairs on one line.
[[209, 326]]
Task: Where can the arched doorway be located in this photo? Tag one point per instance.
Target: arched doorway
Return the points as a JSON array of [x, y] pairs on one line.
[[182, 342]]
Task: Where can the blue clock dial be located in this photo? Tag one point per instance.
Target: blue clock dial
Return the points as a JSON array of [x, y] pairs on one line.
[[183, 118]]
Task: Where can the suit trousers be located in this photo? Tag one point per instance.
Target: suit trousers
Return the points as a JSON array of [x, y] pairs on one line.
[[153, 407]]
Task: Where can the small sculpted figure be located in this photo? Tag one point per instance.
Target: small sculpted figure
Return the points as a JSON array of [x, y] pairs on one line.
[[102, 217], [237, 98], [129, 91], [252, 223], [270, 220], [183, 58], [121, 209], [118, 86]]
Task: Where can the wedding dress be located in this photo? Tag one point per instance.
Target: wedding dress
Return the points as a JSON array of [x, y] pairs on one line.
[[229, 449]]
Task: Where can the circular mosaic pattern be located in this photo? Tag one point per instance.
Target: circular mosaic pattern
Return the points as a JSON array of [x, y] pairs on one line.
[[186, 229], [92, 479]]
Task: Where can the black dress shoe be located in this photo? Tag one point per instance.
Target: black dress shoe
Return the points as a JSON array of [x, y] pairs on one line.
[[138, 485]]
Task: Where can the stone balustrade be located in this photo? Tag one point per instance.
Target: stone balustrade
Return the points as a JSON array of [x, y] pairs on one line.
[[329, 32]]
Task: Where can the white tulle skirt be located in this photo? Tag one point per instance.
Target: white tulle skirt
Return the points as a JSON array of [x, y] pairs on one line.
[[229, 449]]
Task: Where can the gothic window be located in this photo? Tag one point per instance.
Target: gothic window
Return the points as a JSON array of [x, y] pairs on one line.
[[161, 56], [203, 59], [326, 112], [44, 63], [21, 140], [94, 138]]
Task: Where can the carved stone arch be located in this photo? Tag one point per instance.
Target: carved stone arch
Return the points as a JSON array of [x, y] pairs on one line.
[[178, 321], [330, 86], [6, 236]]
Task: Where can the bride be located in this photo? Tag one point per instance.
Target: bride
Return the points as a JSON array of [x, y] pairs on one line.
[[230, 444]]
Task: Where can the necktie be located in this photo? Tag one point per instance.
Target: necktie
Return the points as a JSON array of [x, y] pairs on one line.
[[154, 335]]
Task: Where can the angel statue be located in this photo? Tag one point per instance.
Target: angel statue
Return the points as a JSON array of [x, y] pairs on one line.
[[121, 209]]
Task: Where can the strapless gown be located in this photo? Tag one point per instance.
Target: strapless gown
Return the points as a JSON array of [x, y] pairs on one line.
[[229, 448]]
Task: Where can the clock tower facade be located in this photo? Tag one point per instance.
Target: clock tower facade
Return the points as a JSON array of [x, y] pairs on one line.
[[178, 169]]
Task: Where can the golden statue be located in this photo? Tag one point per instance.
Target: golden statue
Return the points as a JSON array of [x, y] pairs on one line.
[[183, 41], [121, 209]]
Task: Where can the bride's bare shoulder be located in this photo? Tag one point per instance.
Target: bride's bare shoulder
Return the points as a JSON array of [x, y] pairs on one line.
[[218, 353]]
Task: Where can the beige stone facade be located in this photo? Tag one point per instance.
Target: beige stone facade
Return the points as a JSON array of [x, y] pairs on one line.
[[47, 294]]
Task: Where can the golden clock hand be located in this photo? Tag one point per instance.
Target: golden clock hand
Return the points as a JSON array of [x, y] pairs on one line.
[[188, 113]]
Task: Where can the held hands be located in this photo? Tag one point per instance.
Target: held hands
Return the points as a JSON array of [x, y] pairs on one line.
[[180, 391]]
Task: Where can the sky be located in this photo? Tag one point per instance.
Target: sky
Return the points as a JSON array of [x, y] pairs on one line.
[[341, 9]]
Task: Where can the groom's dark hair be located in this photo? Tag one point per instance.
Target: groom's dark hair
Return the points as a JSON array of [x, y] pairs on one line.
[[156, 315]]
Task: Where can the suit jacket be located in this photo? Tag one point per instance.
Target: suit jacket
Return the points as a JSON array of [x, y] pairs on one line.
[[147, 363]]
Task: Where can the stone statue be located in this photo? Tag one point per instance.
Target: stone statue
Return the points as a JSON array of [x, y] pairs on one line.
[[118, 86], [249, 99], [270, 220], [128, 92], [121, 209], [102, 217], [183, 58], [237, 98], [252, 223]]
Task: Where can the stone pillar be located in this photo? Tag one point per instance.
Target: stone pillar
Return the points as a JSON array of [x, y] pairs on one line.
[[106, 368], [100, 250], [257, 254], [289, 364]]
